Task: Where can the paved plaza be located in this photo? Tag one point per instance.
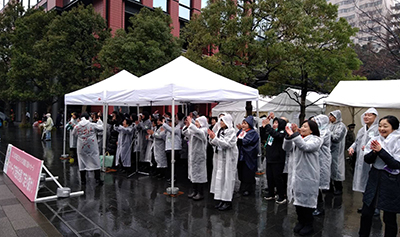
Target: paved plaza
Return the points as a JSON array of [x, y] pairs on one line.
[[137, 206]]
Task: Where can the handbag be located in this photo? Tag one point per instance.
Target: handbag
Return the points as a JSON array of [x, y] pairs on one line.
[[108, 161]]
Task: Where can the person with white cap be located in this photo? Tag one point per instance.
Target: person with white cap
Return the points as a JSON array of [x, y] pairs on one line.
[[224, 163], [48, 126], [369, 129], [338, 135], [197, 155]]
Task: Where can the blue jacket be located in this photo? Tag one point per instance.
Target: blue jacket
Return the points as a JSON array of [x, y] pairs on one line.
[[248, 146]]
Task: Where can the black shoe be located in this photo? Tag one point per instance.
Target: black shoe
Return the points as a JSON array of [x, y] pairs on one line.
[[219, 205], [318, 212], [246, 193], [306, 230], [191, 195], [99, 182], [225, 206], [198, 197], [359, 210], [338, 192], [298, 227], [83, 182]]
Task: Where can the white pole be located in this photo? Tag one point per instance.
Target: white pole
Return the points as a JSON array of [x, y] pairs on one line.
[[65, 130], [137, 153], [173, 146], [259, 140], [105, 118]]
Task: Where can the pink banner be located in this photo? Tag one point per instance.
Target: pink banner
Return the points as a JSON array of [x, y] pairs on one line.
[[24, 170]]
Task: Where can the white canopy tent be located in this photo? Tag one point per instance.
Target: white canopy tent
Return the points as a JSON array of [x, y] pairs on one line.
[[284, 105], [237, 108], [179, 81], [354, 97], [111, 89]]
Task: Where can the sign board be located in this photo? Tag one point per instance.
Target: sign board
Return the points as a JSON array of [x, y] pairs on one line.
[[24, 170]]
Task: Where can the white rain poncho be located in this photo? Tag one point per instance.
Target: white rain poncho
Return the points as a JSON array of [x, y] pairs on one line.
[[159, 148], [225, 161], [361, 168], [72, 139], [125, 138], [325, 158], [338, 135], [142, 127], [303, 169], [150, 145], [197, 150], [87, 148], [168, 137]]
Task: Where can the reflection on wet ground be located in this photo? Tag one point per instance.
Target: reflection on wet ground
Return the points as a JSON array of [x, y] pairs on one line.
[[137, 206]]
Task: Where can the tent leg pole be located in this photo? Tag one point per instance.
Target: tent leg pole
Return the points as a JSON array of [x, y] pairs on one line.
[[173, 190], [64, 155], [105, 118]]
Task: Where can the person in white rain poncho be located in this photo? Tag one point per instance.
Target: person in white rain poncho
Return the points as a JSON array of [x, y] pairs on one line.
[[125, 138], [383, 186], [142, 127], [224, 163], [338, 131], [197, 154], [159, 147], [87, 148], [72, 139], [168, 145], [369, 129], [304, 173], [325, 159]]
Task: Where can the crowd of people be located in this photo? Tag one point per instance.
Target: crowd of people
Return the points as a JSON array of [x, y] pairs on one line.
[[302, 162]]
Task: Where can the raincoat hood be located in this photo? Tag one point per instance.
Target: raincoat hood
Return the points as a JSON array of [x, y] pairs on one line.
[[227, 120], [281, 123], [84, 121], [323, 123], [371, 111], [338, 115], [250, 120], [203, 121]]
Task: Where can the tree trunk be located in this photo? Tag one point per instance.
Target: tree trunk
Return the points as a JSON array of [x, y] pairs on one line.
[[23, 112], [304, 90]]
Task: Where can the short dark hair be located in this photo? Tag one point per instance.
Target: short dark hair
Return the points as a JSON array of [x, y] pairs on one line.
[[180, 115], [313, 127], [85, 115], [392, 120]]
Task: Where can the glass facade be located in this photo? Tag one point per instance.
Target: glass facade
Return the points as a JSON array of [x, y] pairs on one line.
[[184, 9]]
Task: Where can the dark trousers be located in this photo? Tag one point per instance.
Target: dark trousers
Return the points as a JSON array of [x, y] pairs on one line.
[[246, 177], [275, 179], [320, 204], [304, 215], [169, 157], [198, 188], [389, 218], [338, 185], [96, 175]]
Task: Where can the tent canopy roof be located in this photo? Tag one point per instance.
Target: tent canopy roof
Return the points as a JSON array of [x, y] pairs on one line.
[[283, 102], [110, 89], [378, 94], [180, 80], [185, 81]]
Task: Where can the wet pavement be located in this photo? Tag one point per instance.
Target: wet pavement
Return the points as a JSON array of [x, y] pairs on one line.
[[137, 206]]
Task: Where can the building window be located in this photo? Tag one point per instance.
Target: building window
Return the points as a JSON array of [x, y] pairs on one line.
[[161, 4], [184, 9], [204, 3]]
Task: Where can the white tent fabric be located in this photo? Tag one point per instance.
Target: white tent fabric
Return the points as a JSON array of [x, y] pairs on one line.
[[184, 81], [377, 94], [237, 108], [112, 89], [283, 105]]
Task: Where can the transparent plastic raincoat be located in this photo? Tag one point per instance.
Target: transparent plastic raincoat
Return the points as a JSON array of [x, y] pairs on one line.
[[197, 150], [87, 148], [159, 148], [338, 135], [325, 158], [361, 168], [224, 161], [303, 169], [125, 138]]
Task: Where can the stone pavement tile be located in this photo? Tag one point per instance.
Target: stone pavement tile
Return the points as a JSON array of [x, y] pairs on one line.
[[5, 193], [50, 229], [6, 228], [9, 201], [29, 232], [19, 218], [2, 214]]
